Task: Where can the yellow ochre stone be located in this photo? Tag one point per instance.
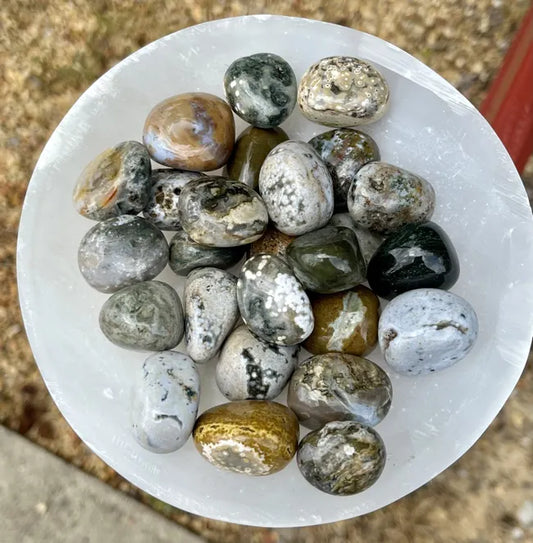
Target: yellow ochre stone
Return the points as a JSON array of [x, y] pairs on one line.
[[273, 242]]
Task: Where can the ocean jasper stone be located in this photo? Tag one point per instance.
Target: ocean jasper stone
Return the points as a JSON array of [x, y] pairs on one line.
[[254, 437], [384, 198], [146, 317], [416, 256], [165, 401], [116, 182], [344, 151], [272, 302], [327, 260], [162, 207], [187, 255], [191, 131], [426, 330], [296, 187], [251, 369], [249, 153], [346, 322], [338, 386], [343, 91], [261, 89], [272, 242], [342, 458], [211, 311], [219, 212], [121, 251]]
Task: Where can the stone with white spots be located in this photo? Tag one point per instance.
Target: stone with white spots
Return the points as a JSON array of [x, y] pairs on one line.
[[211, 311], [165, 401], [251, 369], [426, 330], [296, 187], [272, 302]]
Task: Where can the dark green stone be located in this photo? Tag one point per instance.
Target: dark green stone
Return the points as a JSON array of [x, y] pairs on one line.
[[250, 151], [416, 256], [344, 151], [327, 260]]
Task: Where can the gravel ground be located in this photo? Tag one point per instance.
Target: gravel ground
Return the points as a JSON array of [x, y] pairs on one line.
[[51, 51]]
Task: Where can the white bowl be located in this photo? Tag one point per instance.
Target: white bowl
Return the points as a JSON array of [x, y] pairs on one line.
[[430, 129]]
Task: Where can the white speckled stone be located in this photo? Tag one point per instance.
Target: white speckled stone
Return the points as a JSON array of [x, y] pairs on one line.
[[296, 187], [165, 401], [426, 330], [211, 311], [251, 369]]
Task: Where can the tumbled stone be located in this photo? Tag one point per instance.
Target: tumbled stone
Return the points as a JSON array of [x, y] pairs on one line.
[[272, 242]]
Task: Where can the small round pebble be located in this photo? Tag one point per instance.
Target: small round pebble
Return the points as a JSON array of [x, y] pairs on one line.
[[146, 317], [251, 369], [342, 458], [426, 330], [192, 131], [165, 401], [121, 251], [384, 198], [343, 91], [116, 182], [219, 212], [162, 207], [339, 386], [261, 89], [296, 187]]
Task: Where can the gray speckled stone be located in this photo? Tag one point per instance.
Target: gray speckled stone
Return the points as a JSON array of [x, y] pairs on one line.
[[162, 207], [251, 369], [116, 182], [187, 255], [261, 89], [219, 212], [211, 311], [296, 187], [384, 198], [338, 386], [165, 401], [272, 302], [121, 251], [146, 317], [342, 458], [426, 330], [343, 91]]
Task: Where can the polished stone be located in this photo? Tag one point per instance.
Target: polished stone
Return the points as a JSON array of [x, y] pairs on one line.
[[272, 242]]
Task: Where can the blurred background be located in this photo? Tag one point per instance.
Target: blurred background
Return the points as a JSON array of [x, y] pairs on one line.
[[52, 50]]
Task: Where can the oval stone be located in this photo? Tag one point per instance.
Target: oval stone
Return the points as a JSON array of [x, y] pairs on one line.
[[251, 369], [272, 302], [343, 91], [165, 401], [296, 187], [344, 151], [162, 207], [219, 212], [338, 386], [249, 153], [116, 182], [345, 322], [327, 260], [426, 330], [146, 317], [255, 437], [272, 242], [210, 303], [416, 256], [121, 251], [261, 89], [384, 198], [191, 131], [187, 255], [342, 458]]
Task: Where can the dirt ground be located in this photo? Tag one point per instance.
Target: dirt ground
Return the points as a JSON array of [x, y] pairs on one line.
[[51, 51]]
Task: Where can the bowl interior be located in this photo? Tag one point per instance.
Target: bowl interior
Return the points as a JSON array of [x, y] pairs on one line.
[[430, 129]]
